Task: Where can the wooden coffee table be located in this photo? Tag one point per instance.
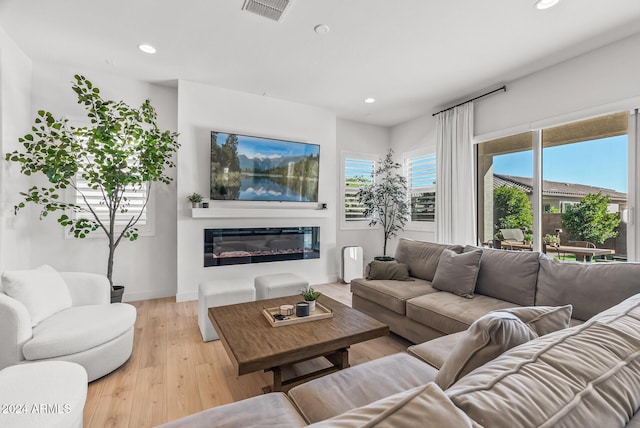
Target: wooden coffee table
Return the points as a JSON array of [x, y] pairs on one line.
[[253, 344]]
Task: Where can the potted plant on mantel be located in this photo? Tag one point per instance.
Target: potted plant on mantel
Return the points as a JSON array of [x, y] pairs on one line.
[[195, 199], [310, 296], [385, 200], [122, 150]]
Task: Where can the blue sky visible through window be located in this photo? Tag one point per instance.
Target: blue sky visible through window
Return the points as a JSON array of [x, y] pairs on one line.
[[599, 163]]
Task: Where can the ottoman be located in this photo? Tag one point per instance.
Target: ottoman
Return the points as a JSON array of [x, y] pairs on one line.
[[219, 293], [43, 394], [279, 285]]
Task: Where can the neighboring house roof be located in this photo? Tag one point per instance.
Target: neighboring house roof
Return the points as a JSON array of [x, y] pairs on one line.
[[554, 188]]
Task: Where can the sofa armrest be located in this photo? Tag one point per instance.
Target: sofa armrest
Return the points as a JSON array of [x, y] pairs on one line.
[[15, 330], [87, 288]]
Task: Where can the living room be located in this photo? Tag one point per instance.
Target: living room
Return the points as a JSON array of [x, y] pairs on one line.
[[581, 75]]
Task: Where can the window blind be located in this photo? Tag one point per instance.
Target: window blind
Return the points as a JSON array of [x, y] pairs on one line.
[[357, 173]]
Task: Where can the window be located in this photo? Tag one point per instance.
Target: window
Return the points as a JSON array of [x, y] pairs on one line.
[[421, 180], [579, 162], [135, 199], [357, 172]]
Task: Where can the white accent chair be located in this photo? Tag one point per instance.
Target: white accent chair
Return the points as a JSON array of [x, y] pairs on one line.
[[66, 316]]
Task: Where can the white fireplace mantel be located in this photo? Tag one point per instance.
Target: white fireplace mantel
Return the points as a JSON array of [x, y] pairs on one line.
[[258, 213]]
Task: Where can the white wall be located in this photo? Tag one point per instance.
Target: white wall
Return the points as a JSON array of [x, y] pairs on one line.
[[147, 267], [15, 119], [203, 108], [586, 84], [413, 135], [357, 137]]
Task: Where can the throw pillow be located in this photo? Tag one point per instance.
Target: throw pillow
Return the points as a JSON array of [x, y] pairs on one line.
[[388, 270], [543, 319], [457, 273], [484, 340], [42, 291]]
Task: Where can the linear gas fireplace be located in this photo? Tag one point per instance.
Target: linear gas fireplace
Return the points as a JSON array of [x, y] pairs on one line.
[[224, 247]]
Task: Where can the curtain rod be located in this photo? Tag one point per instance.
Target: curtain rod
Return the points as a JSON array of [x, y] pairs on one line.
[[503, 88]]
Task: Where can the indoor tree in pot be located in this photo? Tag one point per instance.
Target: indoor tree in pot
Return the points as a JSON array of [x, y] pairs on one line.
[[121, 150], [385, 200]]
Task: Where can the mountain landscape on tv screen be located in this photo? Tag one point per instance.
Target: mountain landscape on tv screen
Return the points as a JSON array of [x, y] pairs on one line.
[[262, 169], [263, 163]]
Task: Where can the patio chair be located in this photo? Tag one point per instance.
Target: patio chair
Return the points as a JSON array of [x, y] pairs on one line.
[[585, 244], [510, 237], [514, 235]]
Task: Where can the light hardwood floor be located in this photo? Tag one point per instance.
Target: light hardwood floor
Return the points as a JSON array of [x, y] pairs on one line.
[[172, 373]]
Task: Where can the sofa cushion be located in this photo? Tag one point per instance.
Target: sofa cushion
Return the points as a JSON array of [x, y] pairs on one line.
[[388, 270], [589, 287], [436, 351], [393, 295], [571, 377], [457, 273], [269, 410], [426, 406], [508, 275], [422, 257], [79, 328], [449, 313], [42, 291], [359, 385], [543, 319], [486, 339]]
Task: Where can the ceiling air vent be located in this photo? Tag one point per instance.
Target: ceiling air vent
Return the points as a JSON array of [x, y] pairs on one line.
[[272, 9]]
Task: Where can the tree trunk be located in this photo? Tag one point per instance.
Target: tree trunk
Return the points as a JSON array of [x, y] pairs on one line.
[[112, 251]]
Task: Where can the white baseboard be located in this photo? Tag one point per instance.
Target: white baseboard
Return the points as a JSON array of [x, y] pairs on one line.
[[186, 297], [147, 295]]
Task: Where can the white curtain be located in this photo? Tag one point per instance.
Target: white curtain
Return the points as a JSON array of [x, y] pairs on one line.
[[455, 177]]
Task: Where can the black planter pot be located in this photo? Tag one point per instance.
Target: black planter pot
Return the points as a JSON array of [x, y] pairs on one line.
[[383, 258], [116, 293]]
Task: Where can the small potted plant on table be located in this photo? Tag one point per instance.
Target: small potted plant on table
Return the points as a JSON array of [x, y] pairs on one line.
[[310, 296]]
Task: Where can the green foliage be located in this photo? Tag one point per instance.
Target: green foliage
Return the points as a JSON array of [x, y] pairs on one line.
[[385, 200], [195, 198], [553, 240], [310, 294], [511, 209], [589, 220], [122, 149]]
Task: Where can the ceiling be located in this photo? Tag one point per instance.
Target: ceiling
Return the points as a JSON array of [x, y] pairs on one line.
[[413, 56]]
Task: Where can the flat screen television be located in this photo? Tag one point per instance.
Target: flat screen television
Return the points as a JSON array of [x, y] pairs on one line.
[[247, 168]]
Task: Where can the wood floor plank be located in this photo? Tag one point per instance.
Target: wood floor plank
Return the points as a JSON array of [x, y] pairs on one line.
[[173, 373], [152, 410]]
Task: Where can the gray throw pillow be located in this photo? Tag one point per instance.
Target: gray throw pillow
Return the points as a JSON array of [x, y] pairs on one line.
[[487, 338], [457, 273], [388, 270]]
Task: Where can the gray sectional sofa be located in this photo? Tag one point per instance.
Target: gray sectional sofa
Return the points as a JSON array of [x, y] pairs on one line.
[[516, 364], [419, 312], [581, 376]]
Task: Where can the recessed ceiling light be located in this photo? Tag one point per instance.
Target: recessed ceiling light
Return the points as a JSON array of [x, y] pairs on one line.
[[546, 4], [369, 100], [321, 29], [147, 49]]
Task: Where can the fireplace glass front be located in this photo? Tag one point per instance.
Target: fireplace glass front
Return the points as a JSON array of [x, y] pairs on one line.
[[224, 247]]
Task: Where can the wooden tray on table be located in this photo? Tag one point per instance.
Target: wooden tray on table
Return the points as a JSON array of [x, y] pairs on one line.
[[321, 312]]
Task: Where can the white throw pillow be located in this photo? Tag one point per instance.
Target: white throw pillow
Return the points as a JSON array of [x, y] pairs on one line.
[[42, 291]]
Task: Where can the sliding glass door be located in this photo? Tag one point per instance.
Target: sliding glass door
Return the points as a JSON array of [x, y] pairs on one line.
[[582, 187]]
